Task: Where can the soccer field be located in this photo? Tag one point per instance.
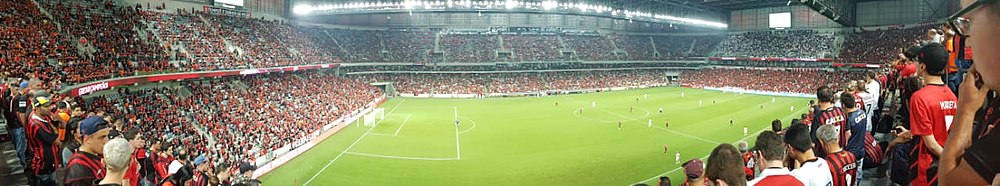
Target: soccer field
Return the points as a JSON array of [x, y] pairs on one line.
[[531, 141]]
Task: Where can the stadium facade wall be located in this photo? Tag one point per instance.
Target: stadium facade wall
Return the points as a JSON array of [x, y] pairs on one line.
[[486, 20], [874, 13], [267, 163], [757, 19]]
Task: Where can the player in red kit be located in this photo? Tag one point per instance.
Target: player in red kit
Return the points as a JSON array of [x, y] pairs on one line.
[[931, 111], [843, 165]]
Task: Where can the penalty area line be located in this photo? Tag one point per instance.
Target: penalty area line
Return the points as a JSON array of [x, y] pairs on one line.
[[351, 146]]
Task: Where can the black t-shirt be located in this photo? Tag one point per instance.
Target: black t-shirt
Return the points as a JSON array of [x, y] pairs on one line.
[[982, 155], [10, 112], [22, 105]]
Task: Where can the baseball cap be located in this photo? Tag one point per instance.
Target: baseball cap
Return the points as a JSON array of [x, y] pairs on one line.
[[199, 160], [694, 168], [934, 56], [41, 100], [911, 52], [92, 124], [244, 167], [24, 84]]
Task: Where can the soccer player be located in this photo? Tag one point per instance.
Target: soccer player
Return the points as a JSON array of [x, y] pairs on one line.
[[700, 102], [666, 124], [581, 111], [456, 123], [730, 121], [791, 109], [843, 167], [813, 171], [650, 125], [682, 94], [661, 110], [770, 152], [931, 110], [677, 158], [619, 124], [593, 104], [745, 130], [630, 108], [828, 115], [664, 149], [557, 103], [773, 100]]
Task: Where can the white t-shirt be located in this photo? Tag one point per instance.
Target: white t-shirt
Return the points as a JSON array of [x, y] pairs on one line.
[[814, 173]]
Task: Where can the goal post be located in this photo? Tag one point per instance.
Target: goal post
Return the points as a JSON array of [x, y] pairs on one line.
[[376, 115]]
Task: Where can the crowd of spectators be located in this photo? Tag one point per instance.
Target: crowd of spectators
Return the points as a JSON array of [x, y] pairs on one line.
[[638, 47], [589, 47], [484, 83], [791, 81], [271, 111], [408, 46], [791, 44], [534, 47], [878, 46], [470, 47], [111, 30], [671, 47]]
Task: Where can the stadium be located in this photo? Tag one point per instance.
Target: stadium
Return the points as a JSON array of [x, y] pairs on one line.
[[498, 92]]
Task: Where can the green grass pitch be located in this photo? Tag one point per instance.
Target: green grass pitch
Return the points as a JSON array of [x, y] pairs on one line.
[[531, 141]]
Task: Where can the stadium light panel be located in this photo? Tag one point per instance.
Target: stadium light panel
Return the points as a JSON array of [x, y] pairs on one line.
[[511, 4], [302, 9]]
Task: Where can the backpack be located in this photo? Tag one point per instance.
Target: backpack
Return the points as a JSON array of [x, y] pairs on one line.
[[873, 152]]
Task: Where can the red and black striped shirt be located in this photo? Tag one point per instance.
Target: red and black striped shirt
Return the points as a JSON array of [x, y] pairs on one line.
[[40, 135], [83, 169], [843, 168], [830, 116]]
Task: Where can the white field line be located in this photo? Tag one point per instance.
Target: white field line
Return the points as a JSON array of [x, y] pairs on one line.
[[401, 125], [473, 126], [687, 135], [351, 146], [399, 157], [458, 147]]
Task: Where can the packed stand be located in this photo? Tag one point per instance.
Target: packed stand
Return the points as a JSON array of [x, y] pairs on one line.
[[361, 46], [469, 47], [784, 44], [533, 47], [638, 47], [590, 47], [765, 80], [27, 39], [878, 46], [419, 84], [408, 46]]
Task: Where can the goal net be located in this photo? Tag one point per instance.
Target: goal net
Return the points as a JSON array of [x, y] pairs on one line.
[[378, 114]]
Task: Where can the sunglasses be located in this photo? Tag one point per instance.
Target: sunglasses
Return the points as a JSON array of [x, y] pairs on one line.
[[961, 25]]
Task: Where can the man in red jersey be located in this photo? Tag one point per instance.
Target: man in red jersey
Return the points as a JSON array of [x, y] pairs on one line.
[[85, 165], [843, 165], [827, 115], [135, 139], [42, 141], [931, 111], [769, 152]]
